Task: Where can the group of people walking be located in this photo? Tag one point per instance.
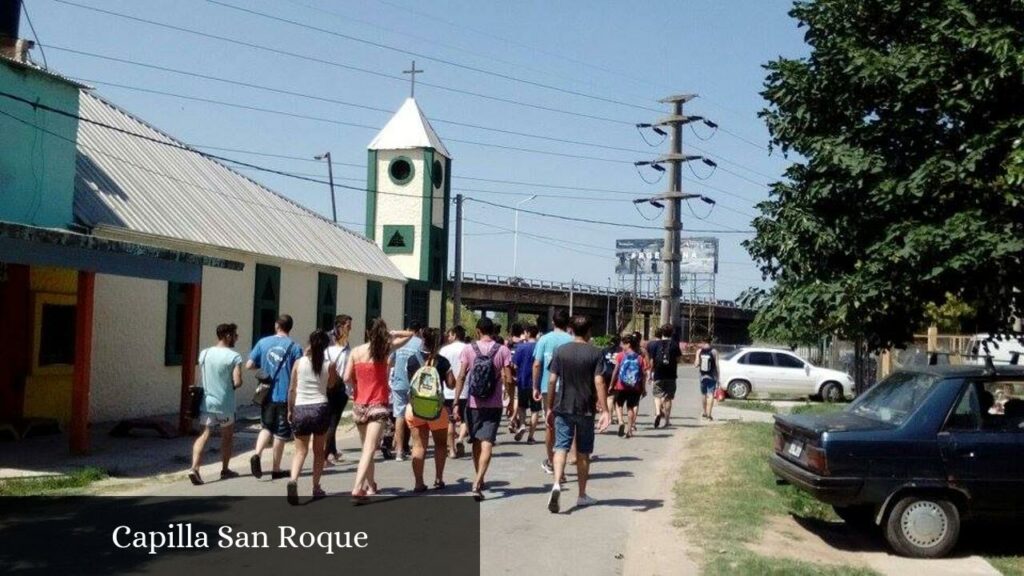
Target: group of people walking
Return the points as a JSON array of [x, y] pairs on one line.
[[411, 387]]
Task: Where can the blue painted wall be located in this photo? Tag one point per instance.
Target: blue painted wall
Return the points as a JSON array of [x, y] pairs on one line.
[[37, 169]]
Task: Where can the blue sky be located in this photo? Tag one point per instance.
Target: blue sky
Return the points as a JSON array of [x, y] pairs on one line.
[[630, 52]]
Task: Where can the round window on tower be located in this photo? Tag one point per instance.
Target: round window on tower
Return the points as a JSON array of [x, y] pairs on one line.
[[437, 174], [401, 170]]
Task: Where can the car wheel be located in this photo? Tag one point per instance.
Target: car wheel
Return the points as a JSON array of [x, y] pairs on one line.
[[739, 389], [860, 516], [831, 392], [923, 527]]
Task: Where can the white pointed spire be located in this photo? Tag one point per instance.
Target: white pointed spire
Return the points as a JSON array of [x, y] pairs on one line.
[[407, 129]]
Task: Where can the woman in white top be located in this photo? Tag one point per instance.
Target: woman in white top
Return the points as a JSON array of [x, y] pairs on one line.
[[309, 411]]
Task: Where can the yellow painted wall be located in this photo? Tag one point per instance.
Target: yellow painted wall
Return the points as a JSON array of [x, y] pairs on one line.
[[48, 388]]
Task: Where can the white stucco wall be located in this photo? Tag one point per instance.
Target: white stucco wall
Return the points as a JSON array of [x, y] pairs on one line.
[[129, 378], [401, 205]]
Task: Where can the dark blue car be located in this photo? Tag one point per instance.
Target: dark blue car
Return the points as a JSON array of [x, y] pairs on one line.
[[916, 454]]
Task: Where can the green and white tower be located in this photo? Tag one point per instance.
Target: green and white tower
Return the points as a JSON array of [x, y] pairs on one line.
[[408, 190]]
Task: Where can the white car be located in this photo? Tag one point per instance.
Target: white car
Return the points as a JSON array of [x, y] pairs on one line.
[[767, 371]]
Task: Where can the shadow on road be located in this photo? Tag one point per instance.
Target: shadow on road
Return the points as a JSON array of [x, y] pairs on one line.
[[638, 505]]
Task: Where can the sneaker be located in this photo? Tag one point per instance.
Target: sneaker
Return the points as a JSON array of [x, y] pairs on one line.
[[293, 493], [195, 478], [584, 501], [318, 493], [227, 474], [657, 421], [556, 492], [256, 466], [400, 457], [530, 441], [622, 430], [278, 474], [386, 453], [519, 434], [460, 450], [548, 469]]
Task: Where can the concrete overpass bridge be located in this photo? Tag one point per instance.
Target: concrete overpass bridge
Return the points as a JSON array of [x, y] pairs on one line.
[[610, 309]]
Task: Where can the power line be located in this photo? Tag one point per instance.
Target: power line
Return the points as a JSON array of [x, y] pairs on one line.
[[339, 64], [351, 124], [300, 177], [444, 61], [434, 42], [308, 96], [602, 222], [490, 35]]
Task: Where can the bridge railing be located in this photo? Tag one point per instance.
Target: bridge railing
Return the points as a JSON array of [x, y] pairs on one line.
[[577, 287]]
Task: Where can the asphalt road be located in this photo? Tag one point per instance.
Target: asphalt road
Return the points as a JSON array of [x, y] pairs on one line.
[[629, 530]]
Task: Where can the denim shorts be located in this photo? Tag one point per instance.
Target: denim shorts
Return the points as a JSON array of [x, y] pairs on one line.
[[311, 418], [707, 385], [569, 426], [399, 400], [275, 419]]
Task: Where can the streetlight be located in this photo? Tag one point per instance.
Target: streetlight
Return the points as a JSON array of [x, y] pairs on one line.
[[515, 240], [330, 178]]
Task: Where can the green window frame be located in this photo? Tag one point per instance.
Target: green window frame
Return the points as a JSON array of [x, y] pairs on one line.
[[392, 166], [174, 345], [374, 301], [437, 257], [326, 300], [417, 303], [266, 301]]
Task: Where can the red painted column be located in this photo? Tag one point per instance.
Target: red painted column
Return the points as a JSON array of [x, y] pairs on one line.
[[79, 429], [190, 351]]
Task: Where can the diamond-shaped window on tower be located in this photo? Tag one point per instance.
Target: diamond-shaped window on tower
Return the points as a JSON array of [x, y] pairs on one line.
[[398, 239]]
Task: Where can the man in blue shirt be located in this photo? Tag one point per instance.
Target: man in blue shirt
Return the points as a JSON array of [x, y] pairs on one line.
[[274, 356], [522, 360], [400, 388], [542, 355]]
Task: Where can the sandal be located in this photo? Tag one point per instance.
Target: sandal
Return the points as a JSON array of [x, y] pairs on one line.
[[373, 489], [478, 493], [195, 478], [319, 493], [420, 488], [439, 485], [359, 497]]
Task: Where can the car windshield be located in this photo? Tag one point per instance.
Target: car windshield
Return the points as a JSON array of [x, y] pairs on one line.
[[895, 398]]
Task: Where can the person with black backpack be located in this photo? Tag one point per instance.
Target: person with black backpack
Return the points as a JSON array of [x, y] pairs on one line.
[[486, 368], [664, 355]]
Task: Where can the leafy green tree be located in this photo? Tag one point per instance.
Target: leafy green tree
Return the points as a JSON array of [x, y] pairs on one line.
[[906, 125]]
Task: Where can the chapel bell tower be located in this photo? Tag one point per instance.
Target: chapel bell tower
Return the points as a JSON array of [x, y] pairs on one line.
[[408, 189]]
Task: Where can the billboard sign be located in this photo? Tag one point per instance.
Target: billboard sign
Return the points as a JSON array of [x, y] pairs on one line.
[[640, 256], [699, 255]]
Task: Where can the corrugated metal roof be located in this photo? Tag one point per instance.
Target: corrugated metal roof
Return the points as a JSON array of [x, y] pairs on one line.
[[408, 128], [146, 187], [40, 70]]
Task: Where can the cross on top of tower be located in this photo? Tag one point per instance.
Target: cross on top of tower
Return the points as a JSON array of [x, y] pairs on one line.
[[412, 72]]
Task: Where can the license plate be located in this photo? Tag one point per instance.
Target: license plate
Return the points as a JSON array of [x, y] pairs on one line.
[[795, 449]]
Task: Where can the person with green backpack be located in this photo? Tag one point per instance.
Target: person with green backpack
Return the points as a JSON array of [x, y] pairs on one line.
[[429, 373]]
